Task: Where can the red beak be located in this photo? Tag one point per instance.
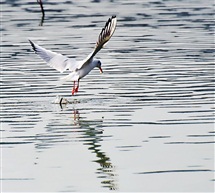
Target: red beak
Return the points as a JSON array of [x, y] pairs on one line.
[[101, 71]]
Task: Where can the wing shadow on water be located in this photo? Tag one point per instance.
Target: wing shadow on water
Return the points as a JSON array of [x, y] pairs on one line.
[[92, 138]]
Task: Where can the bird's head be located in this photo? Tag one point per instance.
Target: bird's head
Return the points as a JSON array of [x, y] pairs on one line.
[[99, 65]]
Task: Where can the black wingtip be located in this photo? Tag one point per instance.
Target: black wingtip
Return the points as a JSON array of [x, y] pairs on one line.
[[31, 42], [109, 20], [33, 46]]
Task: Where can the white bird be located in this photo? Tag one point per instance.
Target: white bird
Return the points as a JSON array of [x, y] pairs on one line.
[[79, 69]]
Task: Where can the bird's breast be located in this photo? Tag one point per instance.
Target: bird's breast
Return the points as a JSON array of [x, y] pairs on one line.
[[85, 70]]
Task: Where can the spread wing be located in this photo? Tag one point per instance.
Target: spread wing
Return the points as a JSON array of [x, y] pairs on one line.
[[53, 59], [103, 38]]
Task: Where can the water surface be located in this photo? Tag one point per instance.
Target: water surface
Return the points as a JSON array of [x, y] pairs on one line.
[[146, 124]]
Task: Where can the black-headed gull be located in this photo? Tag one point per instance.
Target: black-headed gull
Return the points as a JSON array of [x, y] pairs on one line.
[[79, 69]]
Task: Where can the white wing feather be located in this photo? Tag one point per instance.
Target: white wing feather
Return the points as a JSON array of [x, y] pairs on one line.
[[55, 60], [62, 63], [103, 38]]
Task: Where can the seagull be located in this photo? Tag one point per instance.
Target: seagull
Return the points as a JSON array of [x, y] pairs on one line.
[[78, 69]]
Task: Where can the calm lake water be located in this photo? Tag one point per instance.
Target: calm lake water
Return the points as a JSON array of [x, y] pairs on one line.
[[146, 124]]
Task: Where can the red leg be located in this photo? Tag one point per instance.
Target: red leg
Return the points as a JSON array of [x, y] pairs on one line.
[[73, 89], [76, 89]]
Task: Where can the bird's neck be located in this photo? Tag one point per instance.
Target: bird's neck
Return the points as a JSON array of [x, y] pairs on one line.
[[93, 63]]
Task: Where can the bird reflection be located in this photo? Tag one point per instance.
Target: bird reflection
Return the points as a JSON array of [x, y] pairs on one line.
[[93, 136], [89, 132]]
